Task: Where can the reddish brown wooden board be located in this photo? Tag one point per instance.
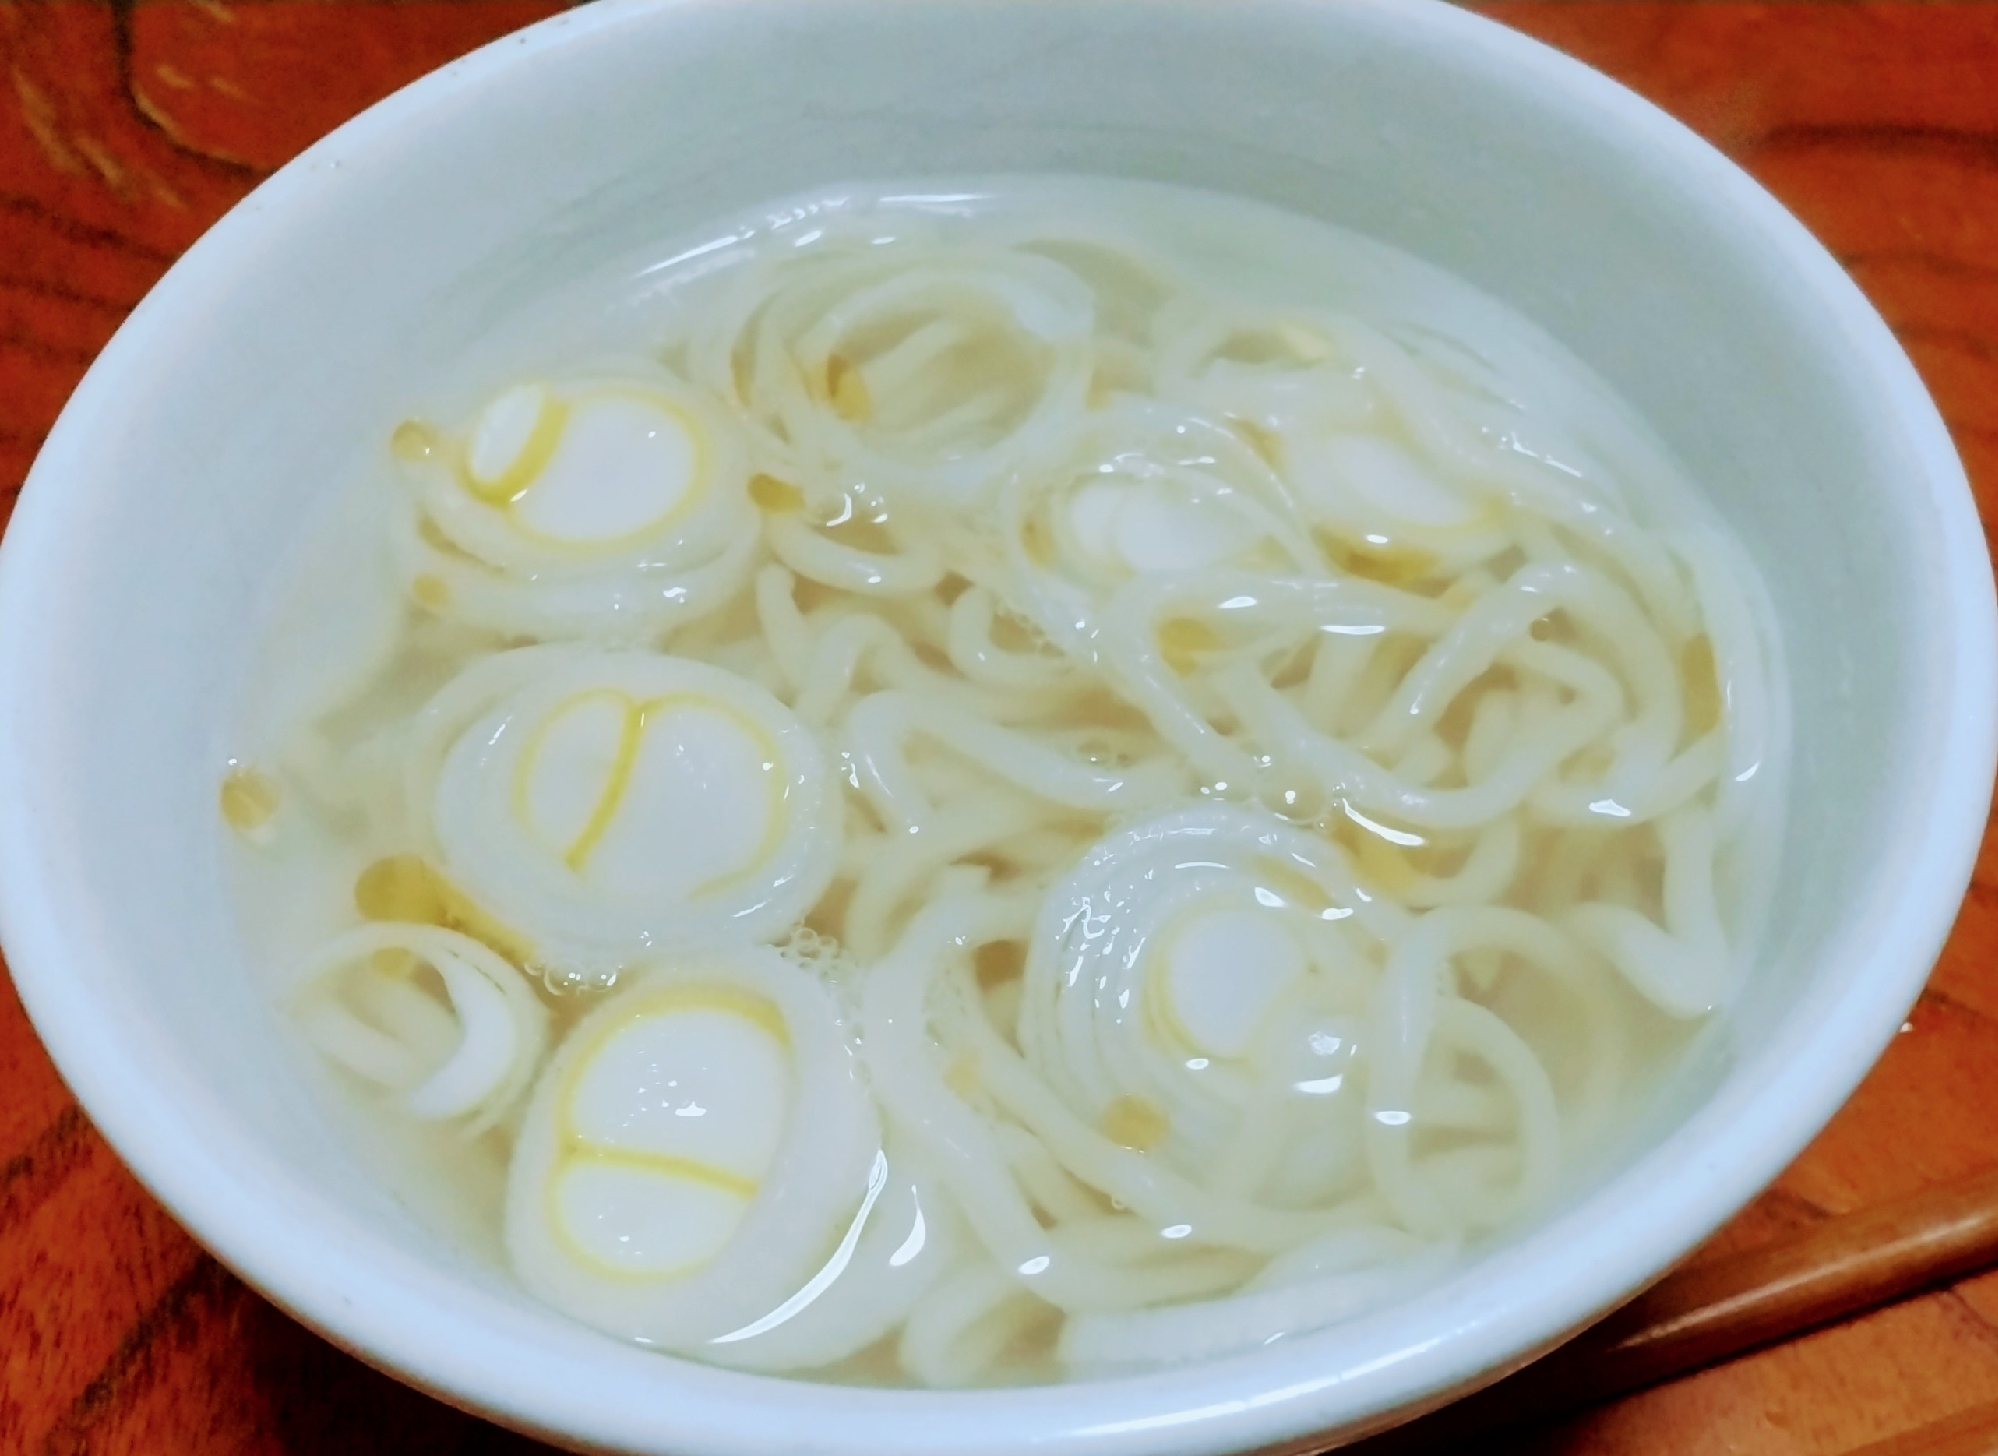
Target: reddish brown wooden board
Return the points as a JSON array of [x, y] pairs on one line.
[[128, 126]]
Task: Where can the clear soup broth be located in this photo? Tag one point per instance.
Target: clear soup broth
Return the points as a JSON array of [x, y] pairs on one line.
[[1008, 784]]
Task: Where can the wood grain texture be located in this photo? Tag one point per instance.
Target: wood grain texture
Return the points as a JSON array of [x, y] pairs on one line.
[[128, 126], [1819, 1271]]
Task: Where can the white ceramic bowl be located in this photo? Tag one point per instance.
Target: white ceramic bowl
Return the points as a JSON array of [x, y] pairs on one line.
[[242, 388]]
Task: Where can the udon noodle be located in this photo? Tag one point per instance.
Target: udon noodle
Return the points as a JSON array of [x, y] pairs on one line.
[[1018, 792]]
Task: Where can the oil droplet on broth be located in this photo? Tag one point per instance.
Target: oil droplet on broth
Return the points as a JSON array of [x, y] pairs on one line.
[[848, 391], [998, 961], [1183, 640], [962, 1075], [400, 887], [249, 799], [778, 497], [1136, 1123], [413, 440], [408, 888], [1037, 543], [1702, 679], [1556, 626]]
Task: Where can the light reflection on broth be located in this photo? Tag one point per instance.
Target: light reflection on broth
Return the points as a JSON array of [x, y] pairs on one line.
[[1030, 788]]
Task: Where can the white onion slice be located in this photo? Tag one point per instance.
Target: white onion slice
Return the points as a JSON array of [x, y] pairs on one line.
[[925, 375], [1306, 387], [609, 504], [1142, 1008], [1141, 490], [614, 804], [692, 1153], [905, 1236]]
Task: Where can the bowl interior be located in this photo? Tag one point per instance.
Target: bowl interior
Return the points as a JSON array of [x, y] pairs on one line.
[[251, 385]]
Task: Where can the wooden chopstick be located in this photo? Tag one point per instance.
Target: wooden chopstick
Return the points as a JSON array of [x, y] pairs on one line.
[[1712, 1312]]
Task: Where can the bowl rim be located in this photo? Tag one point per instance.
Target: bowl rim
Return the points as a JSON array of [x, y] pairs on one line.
[[388, 1308]]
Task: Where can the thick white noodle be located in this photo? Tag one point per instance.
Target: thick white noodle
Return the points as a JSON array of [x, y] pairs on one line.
[[1383, 1267], [492, 1038], [1078, 597], [878, 734]]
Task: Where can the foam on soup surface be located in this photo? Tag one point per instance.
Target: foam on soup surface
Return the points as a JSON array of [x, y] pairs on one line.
[[1009, 785]]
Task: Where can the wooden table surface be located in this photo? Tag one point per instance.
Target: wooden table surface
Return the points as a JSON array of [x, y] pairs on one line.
[[128, 126]]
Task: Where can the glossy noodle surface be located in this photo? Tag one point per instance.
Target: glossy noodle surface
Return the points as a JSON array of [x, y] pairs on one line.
[[1008, 785]]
